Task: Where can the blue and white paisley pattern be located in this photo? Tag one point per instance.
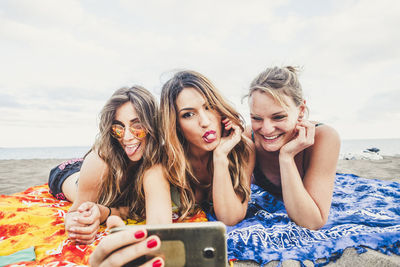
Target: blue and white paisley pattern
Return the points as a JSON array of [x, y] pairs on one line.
[[364, 213]]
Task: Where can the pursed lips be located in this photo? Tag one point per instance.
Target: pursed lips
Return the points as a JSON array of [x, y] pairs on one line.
[[209, 136]]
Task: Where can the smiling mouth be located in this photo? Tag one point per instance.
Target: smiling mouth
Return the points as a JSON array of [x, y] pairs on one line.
[[271, 138], [210, 136]]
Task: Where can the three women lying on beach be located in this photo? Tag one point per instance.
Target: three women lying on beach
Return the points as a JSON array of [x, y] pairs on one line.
[[194, 152]]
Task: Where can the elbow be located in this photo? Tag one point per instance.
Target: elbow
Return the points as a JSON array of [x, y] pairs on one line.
[[314, 225], [232, 220]]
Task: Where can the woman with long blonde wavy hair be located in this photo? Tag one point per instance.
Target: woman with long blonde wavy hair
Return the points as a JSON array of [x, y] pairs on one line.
[[206, 158], [121, 174]]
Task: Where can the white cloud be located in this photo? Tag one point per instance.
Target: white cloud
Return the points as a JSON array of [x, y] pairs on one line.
[[68, 56]]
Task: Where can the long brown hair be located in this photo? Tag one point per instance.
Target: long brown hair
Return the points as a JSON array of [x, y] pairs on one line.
[[123, 184], [175, 160]]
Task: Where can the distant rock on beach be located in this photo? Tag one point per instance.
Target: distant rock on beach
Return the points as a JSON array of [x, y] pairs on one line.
[[368, 154]]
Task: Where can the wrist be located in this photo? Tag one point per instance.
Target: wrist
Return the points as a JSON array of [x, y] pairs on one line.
[[285, 157], [107, 213], [219, 160]]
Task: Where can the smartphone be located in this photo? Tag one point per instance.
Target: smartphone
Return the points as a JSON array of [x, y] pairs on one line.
[[187, 244]]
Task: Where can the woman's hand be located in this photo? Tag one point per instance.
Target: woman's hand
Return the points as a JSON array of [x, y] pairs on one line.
[[303, 138], [124, 246], [230, 138], [83, 224]]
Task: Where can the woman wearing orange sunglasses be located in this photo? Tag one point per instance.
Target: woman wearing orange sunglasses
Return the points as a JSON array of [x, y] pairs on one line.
[[121, 174]]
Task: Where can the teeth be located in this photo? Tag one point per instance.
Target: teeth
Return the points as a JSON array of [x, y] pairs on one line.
[[132, 146], [271, 137]]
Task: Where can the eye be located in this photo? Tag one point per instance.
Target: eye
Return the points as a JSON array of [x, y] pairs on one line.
[[137, 126], [187, 115], [279, 117], [256, 118]]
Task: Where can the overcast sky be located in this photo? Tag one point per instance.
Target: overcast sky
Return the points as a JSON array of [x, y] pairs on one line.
[[61, 60]]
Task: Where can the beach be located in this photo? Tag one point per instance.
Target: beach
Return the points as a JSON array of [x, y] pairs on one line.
[[18, 175]]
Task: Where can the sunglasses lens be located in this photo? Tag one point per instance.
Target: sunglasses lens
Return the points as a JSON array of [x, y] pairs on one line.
[[117, 131], [138, 133]]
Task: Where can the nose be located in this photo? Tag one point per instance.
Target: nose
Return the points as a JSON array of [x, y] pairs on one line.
[[204, 120], [268, 127], [127, 134]]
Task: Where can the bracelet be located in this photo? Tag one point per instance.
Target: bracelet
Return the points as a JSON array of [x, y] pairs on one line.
[[109, 213]]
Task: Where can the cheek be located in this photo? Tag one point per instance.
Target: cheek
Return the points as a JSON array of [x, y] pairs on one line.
[[292, 123], [255, 125], [184, 128]]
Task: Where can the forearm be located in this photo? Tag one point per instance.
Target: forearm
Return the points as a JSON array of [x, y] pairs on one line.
[[299, 205], [228, 206]]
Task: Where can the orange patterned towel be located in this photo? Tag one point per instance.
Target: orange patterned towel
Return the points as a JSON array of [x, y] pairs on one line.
[[35, 218]]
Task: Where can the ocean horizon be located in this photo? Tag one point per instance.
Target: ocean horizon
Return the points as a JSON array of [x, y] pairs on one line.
[[387, 147]]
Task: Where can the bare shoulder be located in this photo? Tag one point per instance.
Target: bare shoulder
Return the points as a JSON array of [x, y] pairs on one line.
[[155, 181], [326, 145], [93, 167], [154, 174], [94, 159], [325, 133]]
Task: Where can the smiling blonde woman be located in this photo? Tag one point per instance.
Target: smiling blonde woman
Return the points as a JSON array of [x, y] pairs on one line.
[[296, 158]]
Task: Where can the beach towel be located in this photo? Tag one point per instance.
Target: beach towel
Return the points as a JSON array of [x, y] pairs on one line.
[[364, 213], [34, 218]]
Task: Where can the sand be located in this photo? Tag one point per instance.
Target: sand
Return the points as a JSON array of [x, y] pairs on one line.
[[18, 175]]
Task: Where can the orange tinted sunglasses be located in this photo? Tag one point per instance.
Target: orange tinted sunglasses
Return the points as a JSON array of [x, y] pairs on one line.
[[118, 131]]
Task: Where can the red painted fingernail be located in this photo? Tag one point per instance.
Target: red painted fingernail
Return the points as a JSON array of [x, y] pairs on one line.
[[151, 243], [157, 263], [139, 234]]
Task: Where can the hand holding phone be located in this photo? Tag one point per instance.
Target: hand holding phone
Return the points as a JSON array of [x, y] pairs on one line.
[[185, 244], [125, 246]]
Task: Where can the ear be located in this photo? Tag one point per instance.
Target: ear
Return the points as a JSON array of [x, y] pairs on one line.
[[302, 110]]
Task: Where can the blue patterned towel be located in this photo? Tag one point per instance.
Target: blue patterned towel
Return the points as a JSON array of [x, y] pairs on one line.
[[364, 212]]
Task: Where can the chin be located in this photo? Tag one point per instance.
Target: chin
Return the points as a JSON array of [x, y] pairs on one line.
[[136, 157], [212, 146], [271, 148]]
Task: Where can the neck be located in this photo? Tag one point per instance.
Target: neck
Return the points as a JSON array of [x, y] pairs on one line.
[[274, 155], [199, 155], [133, 164]]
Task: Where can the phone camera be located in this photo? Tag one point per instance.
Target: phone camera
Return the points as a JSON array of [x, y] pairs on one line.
[[209, 252]]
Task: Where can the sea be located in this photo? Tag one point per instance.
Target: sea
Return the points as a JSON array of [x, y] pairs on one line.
[[387, 147]]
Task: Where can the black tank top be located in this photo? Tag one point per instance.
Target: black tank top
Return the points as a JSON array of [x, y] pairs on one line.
[[261, 180]]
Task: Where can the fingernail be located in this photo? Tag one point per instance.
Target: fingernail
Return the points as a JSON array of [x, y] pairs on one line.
[[157, 263], [151, 243], [139, 234]]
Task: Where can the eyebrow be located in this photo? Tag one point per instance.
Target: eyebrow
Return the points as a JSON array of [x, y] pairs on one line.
[[190, 108], [131, 121], [183, 109], [274, 114]]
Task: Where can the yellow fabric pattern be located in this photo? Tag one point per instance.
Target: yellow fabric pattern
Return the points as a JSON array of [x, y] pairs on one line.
[[35, 218]]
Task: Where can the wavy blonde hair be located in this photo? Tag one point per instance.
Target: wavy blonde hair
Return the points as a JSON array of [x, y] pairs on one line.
[[123, 185], [175, 160]]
